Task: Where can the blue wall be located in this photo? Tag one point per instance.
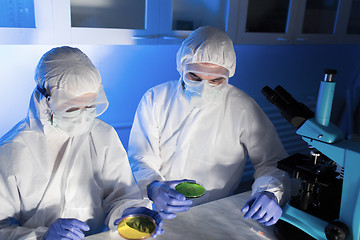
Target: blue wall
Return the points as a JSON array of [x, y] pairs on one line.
[[128, 71]]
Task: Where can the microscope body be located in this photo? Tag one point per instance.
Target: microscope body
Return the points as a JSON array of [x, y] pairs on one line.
[[347, 154], [327, 206]]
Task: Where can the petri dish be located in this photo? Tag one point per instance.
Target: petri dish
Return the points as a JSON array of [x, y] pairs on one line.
[[136, 227], [190, 189]]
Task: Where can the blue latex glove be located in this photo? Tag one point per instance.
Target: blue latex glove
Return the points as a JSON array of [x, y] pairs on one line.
[[143, 210], [66, 229], [166, 199], [262, 207]]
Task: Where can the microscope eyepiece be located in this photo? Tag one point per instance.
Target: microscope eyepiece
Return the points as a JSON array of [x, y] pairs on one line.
[[329, 73]]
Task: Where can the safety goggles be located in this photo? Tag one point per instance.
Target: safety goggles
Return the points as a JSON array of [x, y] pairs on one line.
[[210, 72], [63, 103]]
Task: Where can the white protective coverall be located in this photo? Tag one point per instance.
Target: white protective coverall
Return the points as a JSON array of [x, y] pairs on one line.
[[171, 140], [45, 174]]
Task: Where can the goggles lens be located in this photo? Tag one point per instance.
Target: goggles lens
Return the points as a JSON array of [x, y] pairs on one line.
[[62, 103]]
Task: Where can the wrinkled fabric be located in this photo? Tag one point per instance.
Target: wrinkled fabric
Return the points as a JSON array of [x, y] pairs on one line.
[[68, 76], [46, 175], [69, 69], [207, 45], [171, 140]]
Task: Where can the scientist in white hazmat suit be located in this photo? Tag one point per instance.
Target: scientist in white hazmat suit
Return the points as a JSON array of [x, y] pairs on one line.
[[202, 128], [64, 173]]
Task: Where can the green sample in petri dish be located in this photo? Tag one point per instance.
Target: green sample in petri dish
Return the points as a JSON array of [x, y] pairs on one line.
[[136, 226], [190, 189]]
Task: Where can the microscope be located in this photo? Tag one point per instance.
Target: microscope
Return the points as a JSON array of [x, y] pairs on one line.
[[327, 205]]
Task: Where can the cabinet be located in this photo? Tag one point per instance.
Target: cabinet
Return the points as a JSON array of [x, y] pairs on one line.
[[290, 21], [118, 21], [349, 26], [17, 14], [17, 19], [170, 21], [144, 21], [179, 17]]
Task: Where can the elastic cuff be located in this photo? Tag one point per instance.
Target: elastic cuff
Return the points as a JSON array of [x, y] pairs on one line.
[[272, 195]]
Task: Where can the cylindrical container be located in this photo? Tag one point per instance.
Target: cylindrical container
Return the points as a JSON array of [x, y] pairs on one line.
[[325, 99]]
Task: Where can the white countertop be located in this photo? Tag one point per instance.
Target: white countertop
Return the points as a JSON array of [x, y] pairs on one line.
[[217, 220]]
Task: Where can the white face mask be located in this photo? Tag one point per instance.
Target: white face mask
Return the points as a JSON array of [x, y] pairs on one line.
[[202, 93], [75, 123]]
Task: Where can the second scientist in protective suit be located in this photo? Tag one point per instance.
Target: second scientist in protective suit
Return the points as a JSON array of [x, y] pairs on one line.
[[63, 172], [202, 128]]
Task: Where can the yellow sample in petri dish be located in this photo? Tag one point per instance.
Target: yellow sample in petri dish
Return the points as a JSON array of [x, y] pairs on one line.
[[190, 189], [136, 226]]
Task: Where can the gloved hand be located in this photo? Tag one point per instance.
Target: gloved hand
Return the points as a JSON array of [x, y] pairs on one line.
[[262, 207], [66, 228], [143, 210], [166, 199]]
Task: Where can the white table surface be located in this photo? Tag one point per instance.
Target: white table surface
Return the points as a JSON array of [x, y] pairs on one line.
[[217, 220]]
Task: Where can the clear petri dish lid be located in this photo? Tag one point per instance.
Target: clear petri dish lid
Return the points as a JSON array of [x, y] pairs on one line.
[[190, 189], [136, 227]]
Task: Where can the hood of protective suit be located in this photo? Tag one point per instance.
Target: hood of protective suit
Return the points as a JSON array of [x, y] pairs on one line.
[[68, 69], [63, 76], [207, 45]]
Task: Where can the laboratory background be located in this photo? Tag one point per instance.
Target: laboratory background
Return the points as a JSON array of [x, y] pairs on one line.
[[134, 43]]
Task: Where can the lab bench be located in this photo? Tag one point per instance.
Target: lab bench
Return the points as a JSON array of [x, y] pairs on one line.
[[216, 220]]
